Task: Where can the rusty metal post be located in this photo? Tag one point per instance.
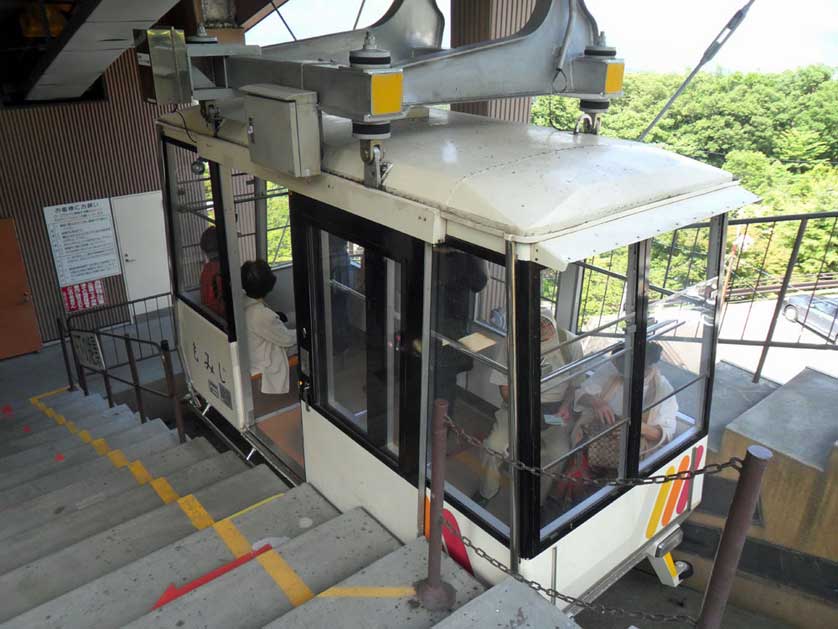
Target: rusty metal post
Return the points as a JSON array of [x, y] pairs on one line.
[[105, 376], [434, 593], [733, 537], [62, 332], [171, 389], [135, 379]]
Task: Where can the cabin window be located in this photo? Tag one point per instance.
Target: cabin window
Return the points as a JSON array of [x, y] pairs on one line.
[[197, 232], [468, 370], [278, 226]]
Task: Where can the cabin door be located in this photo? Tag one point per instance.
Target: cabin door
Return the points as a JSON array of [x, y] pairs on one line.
[[18, 325]]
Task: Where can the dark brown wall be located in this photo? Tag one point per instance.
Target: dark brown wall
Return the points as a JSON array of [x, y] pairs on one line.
[[474, 21], [52, 154]]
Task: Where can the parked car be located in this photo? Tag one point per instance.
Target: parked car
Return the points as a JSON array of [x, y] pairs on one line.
[[821, 318]]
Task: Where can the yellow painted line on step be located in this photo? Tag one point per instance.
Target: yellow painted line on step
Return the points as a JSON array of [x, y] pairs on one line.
[[85, 436], [37, 398], [232, 537], [71, 427], [167, 494], [285, 577], [195, 511], [255, 505], [118, 458], [369, 592], [60, 420], [139, 471], [49, 412], [101, 446]]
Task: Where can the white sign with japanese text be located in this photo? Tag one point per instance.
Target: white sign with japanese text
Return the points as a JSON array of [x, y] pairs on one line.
[[83, 241], [211, 364], [87, 349]]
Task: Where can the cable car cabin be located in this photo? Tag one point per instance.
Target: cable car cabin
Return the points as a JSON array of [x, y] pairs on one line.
[[517, 273]]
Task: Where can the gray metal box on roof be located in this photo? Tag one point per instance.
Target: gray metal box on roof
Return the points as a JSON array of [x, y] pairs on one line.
[[283, 130]]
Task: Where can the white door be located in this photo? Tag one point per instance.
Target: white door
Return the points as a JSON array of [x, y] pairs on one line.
[[141, 232]]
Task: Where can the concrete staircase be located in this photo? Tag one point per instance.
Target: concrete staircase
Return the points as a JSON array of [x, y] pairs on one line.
[[109, 522]]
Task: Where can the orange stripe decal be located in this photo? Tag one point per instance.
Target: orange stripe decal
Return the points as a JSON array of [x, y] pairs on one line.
[[683, 466], [660, 501], [686, 490]]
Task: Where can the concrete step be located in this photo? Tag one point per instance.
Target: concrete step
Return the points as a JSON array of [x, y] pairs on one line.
[[348, 606], [76, 405], [58, 432], [263, 589], [508, 604], [101, 465], [83, 453], [70, 405], [24, 547], [84, 494], [71, 567], [797, 420], [58, 446], [128, 593], [34, 427]]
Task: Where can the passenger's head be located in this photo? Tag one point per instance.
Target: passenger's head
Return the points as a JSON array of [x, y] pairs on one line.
[[209, 242], [257, 278], [548, 325], [653, 356]]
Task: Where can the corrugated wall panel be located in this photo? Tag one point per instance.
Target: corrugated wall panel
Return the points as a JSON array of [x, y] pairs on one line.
[[52, 154], [474, 21]]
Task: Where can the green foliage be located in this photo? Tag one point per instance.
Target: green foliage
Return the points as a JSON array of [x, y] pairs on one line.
[[778, 133], [279, 234]]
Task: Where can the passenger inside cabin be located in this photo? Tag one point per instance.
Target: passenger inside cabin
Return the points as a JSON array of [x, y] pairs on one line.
[[268, 339], [557, 350], [212, 286], [600, 402]]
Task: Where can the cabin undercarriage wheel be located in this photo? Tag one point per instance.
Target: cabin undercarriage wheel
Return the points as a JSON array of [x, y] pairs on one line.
[[790, 313], [685, 569]]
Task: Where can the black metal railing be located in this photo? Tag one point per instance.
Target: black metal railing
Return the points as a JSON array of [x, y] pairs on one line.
[[106, 341]]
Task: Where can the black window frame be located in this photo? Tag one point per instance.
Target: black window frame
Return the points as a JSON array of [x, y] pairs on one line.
[[308, 217]]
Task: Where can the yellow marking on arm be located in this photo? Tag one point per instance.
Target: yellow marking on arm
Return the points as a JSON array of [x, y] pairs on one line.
[[232, 537], [118, 458], [85, 436], [139, 471], [670, 565], [285, 577], [369, 592], [254, 506], [101, 446], [167, 494], [195, 511]]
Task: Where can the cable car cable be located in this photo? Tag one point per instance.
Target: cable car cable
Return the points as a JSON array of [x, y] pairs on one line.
[[290, 32], [358, 17], [719, 41]]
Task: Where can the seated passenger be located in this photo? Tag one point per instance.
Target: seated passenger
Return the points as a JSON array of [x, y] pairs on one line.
[[212, 287], [267, 337], [556, 407], [600, 401]]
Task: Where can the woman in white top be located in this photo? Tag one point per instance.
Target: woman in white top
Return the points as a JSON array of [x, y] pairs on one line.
[[267, 337], [600, 400]]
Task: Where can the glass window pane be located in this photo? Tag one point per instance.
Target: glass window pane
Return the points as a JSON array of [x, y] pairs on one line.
[[361, 321], [198, 241], [468, 370], [584, 400], [278, 225]]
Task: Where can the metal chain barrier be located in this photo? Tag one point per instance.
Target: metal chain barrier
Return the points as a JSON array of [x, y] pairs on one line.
[[551, 593], [713, 468]]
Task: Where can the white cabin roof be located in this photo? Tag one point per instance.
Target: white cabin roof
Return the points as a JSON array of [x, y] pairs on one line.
[[523, 180], [568, 196]]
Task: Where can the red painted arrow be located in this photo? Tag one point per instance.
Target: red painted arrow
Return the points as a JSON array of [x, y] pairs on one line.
[[173, 592]]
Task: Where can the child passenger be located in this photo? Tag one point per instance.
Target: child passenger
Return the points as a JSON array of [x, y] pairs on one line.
[[267, 337]]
